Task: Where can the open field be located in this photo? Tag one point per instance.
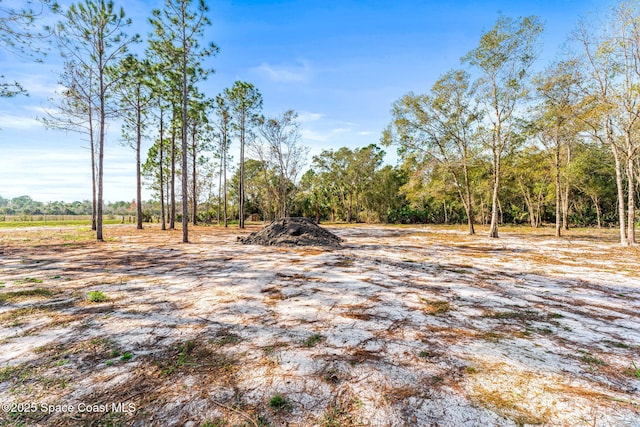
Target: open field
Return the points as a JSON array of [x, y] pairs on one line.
[[406, 326]]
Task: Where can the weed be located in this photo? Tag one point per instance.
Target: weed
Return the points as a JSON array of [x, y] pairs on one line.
[[114, 353], [279, 402], [109, 363], [184, 351], [470, 370], [617, 344], [126, 356], [217, 422], [337, 416], [427, 354], [635, 370], [97, 296], [312, 340], [228, 339], [590, 359]]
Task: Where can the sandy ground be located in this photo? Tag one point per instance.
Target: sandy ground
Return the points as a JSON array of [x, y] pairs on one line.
[[405, 326]]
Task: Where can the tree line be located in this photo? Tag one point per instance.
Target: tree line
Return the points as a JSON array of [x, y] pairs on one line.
[[27, 207], [491, 142], [567, 137]]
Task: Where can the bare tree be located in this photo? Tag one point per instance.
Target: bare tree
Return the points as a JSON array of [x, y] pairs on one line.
[[280, 149]]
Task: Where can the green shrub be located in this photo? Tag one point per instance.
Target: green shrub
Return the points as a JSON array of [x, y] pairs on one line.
[[97, 296]]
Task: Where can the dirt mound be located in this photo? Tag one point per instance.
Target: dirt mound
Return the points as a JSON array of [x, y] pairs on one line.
[[293, 231]]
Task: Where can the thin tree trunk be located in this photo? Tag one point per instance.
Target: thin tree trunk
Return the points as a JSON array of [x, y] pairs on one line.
[[194, 183], [567, 189], [241, 195], [493, 229], [220, 189], [444, 208], [596, 204], [621, 201], [557, 186], [631, 201], [172, 214], [102, 101], [163, 219], [185, 174], [469, 203], [93, 171], [224, 171], [138, 165]]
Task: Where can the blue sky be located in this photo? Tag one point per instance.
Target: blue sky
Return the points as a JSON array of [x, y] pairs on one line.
[[339, 64]]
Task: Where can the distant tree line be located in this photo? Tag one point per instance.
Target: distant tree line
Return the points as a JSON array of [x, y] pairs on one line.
[[26, 206]]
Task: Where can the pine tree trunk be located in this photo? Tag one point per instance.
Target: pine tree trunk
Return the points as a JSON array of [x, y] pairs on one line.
[[93, 171], [224, 171], [138, 165], [241, 195], [557, 186], [162, 212], [185, 173], [102, 103], [194, 183], [219, 190], [172, 213]]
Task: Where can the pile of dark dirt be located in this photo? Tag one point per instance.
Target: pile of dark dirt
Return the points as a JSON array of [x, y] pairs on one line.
[[293, 231]]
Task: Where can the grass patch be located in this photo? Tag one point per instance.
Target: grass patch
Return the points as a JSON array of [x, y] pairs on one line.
[[37, 292], [279, 402], [228, 339], [28, 280], [427, 354], [617, 344], [218, 422], [591, 359], [523, 316], [126, 356], [313, 340], [17, 374], [340, 416], [435, 307], [97, 296]]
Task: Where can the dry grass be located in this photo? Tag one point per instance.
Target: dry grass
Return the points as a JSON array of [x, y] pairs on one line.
[[435, 307]]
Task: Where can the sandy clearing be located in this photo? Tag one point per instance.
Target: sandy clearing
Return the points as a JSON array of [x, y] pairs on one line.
[[405, 326]]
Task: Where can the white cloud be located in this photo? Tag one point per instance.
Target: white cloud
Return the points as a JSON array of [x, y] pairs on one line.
[[297, 74], [322, 136], [305, 117], [12, 121]]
